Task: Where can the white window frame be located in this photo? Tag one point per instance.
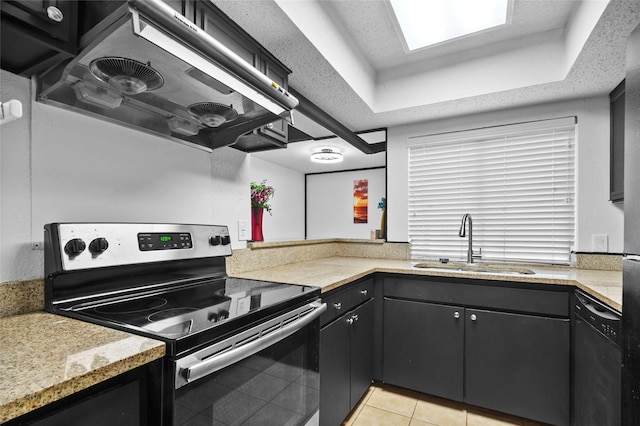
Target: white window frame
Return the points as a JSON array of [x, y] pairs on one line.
[[516, 181]]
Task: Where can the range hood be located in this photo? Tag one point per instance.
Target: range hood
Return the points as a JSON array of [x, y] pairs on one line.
[[147, 67]]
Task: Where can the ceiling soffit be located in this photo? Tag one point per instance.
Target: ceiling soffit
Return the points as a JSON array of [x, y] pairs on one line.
[[519, 55], [592, 68]]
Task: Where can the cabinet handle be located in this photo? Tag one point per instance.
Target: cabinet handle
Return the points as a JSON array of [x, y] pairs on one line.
[[355, 317], [55, 14], [337, 306], [456, 315], [350, 320], [364, 292], [473, 317]]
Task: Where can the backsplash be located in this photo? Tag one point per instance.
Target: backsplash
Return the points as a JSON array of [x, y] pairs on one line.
[[265, 255], [20, 297], [602, 262]]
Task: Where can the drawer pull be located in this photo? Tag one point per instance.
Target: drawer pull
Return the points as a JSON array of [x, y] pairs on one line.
[[364, 292], [473, 317], [337, 306], [456, 315]]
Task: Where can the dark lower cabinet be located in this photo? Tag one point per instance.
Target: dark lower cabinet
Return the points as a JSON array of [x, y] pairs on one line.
[[335, 373], [518, 364], [346, 363], [509, 362], [130, 399], [423, 347]]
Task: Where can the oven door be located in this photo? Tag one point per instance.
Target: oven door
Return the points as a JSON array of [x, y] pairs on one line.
[[268, 374]]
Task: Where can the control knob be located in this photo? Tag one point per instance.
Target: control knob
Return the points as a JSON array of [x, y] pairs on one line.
[[226, 240], [215, 240], [74, 247], [98, 245]]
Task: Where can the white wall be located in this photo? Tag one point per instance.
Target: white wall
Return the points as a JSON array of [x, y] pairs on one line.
[[330, 204], [595, 214], [288, 198], [60, 166]]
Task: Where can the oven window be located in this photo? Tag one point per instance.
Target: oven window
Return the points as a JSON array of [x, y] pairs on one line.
[[277, 386]]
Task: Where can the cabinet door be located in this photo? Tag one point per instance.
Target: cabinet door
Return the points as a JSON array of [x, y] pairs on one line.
[[616, 158], [361, 350], [335, 374], [518, 364], [278, 129], [423, 347], [213, 22]]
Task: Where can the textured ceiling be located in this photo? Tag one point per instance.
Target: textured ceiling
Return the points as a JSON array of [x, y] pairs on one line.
[[363, 32]]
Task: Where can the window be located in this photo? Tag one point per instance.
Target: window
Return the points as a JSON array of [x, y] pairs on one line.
[[425, 23], [517, 182]]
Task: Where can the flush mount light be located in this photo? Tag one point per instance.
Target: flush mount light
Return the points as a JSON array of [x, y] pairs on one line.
[[326, 155], [425, 23]]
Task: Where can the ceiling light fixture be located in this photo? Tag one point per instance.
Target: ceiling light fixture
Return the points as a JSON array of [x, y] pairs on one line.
[[425, 23], [326, 155]]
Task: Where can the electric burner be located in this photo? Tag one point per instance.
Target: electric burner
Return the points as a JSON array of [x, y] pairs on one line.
[[169, 313], [132, 306]]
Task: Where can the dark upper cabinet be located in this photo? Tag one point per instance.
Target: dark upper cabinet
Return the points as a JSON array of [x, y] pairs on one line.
[[37, 34], [220, 26], [616, 159], [279, 74]]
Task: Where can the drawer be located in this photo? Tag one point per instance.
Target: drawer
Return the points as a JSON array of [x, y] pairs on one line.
[[481, 293], [345, 298], [361, 291], [338, 302]]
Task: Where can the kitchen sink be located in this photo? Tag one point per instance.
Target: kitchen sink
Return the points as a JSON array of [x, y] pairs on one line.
[[474, 267]]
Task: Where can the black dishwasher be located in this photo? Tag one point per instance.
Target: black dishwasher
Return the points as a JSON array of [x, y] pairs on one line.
[[597, 363]]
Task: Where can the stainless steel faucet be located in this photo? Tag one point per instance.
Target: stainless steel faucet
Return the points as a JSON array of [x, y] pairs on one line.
[[467, 217]]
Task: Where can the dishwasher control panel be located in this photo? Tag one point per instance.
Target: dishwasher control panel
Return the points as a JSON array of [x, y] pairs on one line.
[[602, 317]]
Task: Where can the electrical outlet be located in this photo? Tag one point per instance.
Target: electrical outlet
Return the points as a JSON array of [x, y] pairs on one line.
[[243, 230], [600, 243]]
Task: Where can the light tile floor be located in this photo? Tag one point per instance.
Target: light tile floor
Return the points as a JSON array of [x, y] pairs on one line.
[[385, 405]]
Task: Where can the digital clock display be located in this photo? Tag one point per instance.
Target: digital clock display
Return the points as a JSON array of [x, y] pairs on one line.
[[164, 241]]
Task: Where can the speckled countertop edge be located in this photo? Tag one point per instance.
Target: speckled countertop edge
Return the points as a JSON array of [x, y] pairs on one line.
[[21, 393], [46, 357], [333, 272]]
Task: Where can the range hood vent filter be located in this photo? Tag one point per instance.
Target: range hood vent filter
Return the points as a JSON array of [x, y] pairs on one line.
[[127, 75], [212, 114]]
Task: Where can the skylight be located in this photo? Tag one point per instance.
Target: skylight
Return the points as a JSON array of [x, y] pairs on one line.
[[427, 22]]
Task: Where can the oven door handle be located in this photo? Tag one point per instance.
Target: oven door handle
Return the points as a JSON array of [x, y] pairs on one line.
[[238, 353]]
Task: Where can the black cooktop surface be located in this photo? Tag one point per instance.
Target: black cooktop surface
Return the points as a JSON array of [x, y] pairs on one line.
[[200, 312]]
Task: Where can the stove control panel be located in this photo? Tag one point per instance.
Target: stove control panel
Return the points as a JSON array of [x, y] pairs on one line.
[[164, 241], [95, 245]]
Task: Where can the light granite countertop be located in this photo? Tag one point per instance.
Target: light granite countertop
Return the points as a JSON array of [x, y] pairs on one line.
[[45, 357], [332, 272]]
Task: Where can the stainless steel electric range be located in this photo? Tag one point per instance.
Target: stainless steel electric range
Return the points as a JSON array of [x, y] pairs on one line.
[[238, 351]]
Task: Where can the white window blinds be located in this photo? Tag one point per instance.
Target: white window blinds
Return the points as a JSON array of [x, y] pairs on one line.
[[516, 181]]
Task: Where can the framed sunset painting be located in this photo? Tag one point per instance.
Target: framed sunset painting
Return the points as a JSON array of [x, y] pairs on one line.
[[360, 201]]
